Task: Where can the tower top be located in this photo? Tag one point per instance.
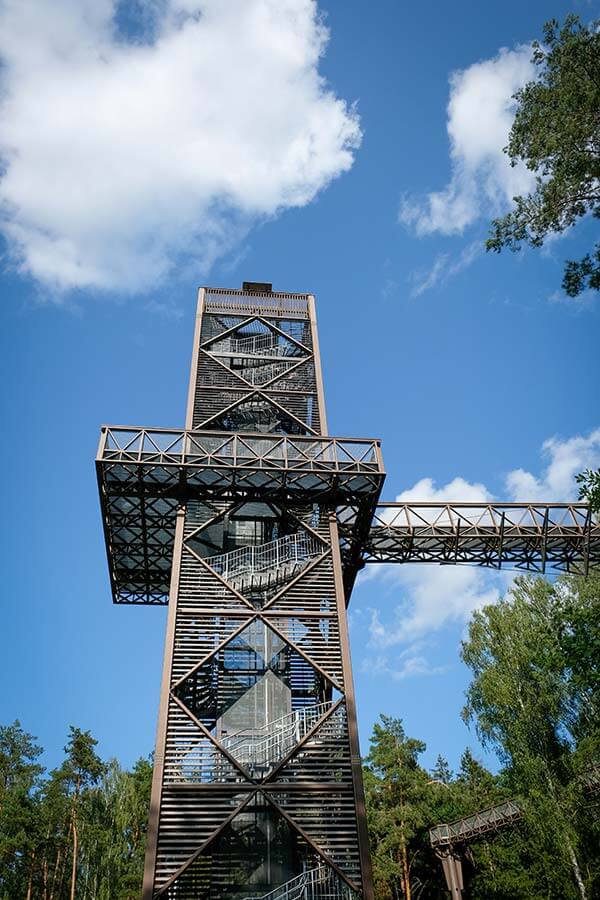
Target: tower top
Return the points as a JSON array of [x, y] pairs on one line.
[[258, 287]]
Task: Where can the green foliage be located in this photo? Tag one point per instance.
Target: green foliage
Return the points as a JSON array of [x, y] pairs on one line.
[[19, 807], [396, 787], [107, 806], [534, 697], [590, 487], [556, 133]]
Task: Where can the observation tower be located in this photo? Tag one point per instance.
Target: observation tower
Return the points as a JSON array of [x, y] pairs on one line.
[[251, 523]]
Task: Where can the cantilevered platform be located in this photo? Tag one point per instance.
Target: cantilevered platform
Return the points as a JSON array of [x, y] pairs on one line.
[[146, 475]]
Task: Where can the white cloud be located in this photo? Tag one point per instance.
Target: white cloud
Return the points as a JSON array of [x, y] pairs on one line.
[[422, 600], [566, 458], [120, 157], [457, 490], [432, 596], [480, 114], [444, 268], [406, 664]]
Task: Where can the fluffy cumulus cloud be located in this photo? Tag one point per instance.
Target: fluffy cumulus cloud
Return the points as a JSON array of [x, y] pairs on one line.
[[120, 156], [480, 114], [423, 600], [565, 458]]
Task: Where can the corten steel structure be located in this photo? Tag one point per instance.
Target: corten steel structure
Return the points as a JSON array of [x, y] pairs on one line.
[[252, 523]]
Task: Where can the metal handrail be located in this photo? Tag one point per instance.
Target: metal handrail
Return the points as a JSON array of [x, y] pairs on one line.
[[263, 746], [261, 374], [257, 749], [267, 344], [320, 883], [273, 558]]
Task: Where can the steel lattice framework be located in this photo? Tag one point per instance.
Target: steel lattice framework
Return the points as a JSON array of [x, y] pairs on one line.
[[252, 523]]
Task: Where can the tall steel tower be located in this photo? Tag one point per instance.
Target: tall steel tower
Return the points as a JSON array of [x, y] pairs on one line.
[[252, 523]]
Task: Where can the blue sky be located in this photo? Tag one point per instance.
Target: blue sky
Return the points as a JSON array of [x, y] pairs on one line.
[[145, 155]]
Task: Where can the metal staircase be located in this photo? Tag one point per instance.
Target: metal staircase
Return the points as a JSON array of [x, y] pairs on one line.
[[320, 883], [267, 344], [261, 373], [258, 749], [264, 566], [253, 415]]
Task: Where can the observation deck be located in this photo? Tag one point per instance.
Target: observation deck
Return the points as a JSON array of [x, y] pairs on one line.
[[146, 475]]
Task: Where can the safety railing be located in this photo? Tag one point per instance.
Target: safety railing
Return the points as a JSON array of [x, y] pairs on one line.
[[264, 565], [464, 830], [166, 446], [259, 748], [320, 883], [261, 374], [231, 302], [265, 344]]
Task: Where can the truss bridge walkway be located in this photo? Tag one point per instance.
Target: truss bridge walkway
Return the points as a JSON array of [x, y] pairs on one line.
[[465, 830]]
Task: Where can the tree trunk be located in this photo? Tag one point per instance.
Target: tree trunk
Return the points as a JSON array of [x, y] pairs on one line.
[[74, 863], [55, 873], [30, 880], [405, 872], [45, 877], [576, 871]]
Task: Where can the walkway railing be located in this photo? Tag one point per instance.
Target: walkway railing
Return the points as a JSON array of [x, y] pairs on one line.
[[320, 883], [464, 830], [267, 344], [259, 748], [266, 565]]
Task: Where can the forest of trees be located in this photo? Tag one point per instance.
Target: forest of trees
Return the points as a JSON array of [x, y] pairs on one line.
[[534, 698], [75, 832], [78, 831]]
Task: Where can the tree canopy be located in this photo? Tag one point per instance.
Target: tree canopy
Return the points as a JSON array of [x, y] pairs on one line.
[[556, 134], [534, 699], [75, 832]]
